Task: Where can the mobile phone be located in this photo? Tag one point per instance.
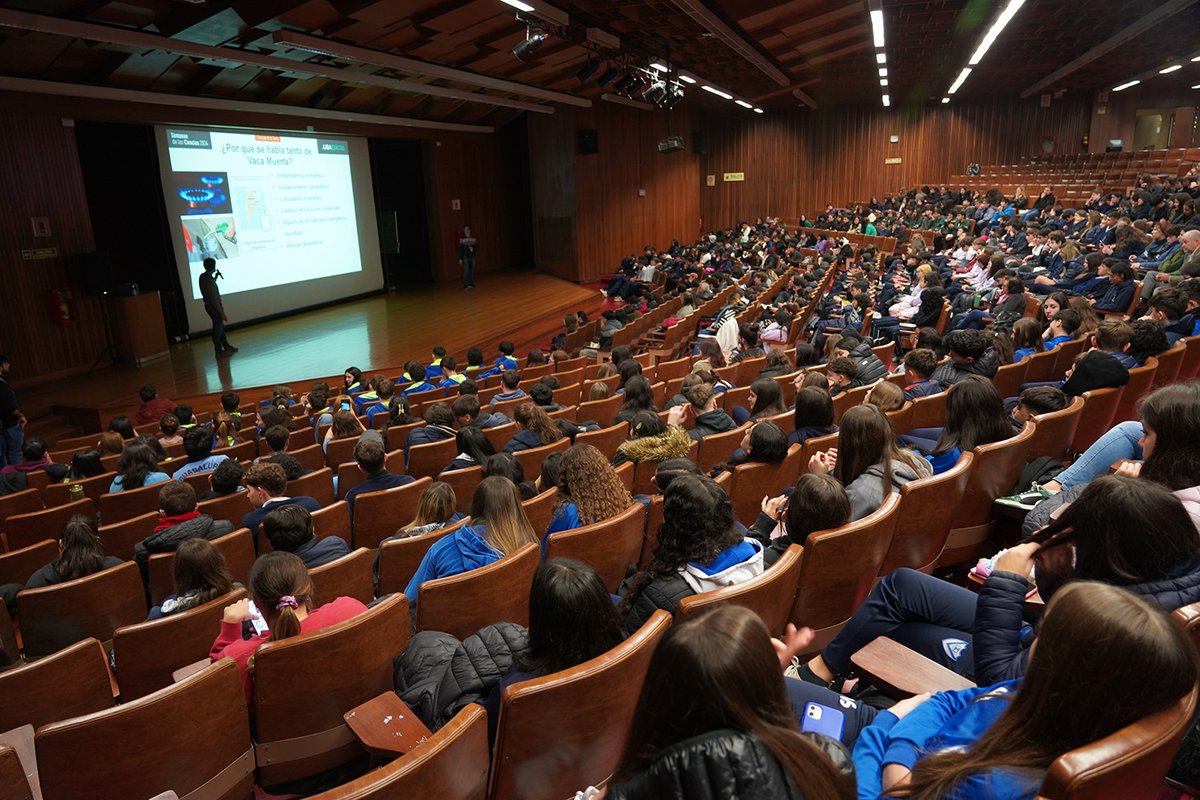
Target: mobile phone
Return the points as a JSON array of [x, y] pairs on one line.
[[259, 622], [824, 720], [345, 406]]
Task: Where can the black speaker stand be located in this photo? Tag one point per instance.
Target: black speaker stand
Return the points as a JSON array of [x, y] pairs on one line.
[[110, 352]]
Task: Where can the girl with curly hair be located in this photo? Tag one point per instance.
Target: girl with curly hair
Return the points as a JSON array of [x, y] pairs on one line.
[[699, 550], [537, 428], [589, 490]]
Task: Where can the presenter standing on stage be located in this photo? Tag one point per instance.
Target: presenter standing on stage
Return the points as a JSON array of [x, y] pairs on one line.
[[214, 308], [466, 256]]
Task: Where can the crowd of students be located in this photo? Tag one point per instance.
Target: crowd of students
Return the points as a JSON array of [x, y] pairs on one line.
[[1123, 552]]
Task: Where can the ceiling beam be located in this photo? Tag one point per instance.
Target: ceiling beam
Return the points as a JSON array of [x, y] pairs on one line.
[[713, 24], [804, 98], [315, 44], [785, 90], [1128, 33], [32, 86], [138, 41]]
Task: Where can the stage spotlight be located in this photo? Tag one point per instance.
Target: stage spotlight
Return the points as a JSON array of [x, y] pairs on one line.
[[656, 93], [587, 70], [638, 84], [532, 41], [608, 76], [624, 85], [673, 97]]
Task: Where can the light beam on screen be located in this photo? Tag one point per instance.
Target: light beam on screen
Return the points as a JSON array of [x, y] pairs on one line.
[[289, 219]]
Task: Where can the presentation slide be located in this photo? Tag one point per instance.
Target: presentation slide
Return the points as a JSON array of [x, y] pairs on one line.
[[288, 218]]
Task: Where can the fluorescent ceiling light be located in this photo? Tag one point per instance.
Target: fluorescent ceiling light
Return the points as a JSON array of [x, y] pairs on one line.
[[687, 79], [717, 92], [877, 26], [945, 100], [881, 58], [743, 104], [658, 65], [962, 76], [1005, 17], [517, 4], [887, 101], [883, 81], [1197, 86], [758, 111], [883, 72], [1197, 58], [1170, 69], [1124, 86]]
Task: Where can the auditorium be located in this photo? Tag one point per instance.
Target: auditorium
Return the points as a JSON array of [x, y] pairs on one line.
[[487, 377]]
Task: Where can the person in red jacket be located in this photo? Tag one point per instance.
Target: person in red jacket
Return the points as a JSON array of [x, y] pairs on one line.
[[282, 593], [153, 407]]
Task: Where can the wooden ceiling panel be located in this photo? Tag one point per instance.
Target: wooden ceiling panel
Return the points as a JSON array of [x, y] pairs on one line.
[[141, 70], [30, 53]]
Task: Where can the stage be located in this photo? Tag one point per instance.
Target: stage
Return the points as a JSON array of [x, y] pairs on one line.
[[372, 334]]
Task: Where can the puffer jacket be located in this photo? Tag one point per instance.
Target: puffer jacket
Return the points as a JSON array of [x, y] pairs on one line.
[[950, 373], [721, 765], [1001, 640], [870, 368], [168, 541], [712, 422], [437, 675], [675, 443]]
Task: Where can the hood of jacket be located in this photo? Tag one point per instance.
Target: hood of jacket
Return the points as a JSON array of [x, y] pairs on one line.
[[1180, 588], [473, 551], [732, 566], [675, 443], [716, 420], [720, 765]]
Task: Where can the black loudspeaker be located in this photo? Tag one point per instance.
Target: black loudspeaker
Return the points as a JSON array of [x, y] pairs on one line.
[[699, 143], [96, 270], [589, 141]]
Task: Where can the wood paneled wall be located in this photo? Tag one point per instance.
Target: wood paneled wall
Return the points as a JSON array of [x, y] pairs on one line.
[[798, 162], [41, 178], [488, 177], [1120, 111], [588, 209]]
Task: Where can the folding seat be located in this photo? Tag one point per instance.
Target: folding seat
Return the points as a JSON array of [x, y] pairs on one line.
[[1169, 363], [312, 457], [462, 604], [349, 576], [601, 411], [72, 682], [378, 515], [1009, 377], [770, 595], [606, 440], [120, 537], [463, 482], [317, 484], [231, 507], [929, 412], [237, 547], [1055, 431], [923, 521], [427, 460], [531, 458], [56, 616], [57, 494], [120, 506], [1099, 409], [539, 509], [716, 448], [22, 530], [610, 546], [400, 558], [751, 481], [1140, 380]]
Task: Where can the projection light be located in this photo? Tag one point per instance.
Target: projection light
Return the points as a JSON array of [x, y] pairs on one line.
[[529, 45], [1125, 86], [623, 86], [656, 94], [608, 76]]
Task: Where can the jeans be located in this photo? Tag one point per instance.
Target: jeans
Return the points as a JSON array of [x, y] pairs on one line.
[[857, 715], [220, 343], [10, 452], [1121, 441], [468, 265], [922, 612]]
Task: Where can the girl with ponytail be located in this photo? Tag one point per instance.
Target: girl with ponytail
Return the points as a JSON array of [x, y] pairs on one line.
[[283, 597]]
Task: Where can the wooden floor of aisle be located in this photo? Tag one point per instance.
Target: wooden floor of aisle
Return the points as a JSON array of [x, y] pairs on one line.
[[378, 332]]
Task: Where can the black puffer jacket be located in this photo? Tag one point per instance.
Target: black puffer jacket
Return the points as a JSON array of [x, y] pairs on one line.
[[722, 765], [437, 675], [870, 368], [664, 593], [168, 540], [950, 373]]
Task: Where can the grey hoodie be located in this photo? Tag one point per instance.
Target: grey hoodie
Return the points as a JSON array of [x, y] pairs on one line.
[[866, 491]]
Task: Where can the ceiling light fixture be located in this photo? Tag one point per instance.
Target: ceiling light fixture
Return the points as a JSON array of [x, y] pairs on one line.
[[887, 101], [945, 100], [743, 104], [1170, 69], [716, 91], [883, 81], [658, 65], [1196, 58], [881, 58], [962, 76], [1005, 17], [519, 5], [1125, 86], [877, 26], [1197, 86], [758, 110], [529, 45], [687, 79]]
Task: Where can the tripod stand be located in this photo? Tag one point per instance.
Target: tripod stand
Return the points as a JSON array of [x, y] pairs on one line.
[[110, 351]]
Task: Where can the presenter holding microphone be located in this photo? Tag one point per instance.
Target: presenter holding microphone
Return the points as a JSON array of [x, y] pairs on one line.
[[466, 256], [214, 308]]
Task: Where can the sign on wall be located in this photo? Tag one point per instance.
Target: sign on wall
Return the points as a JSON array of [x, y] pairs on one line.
[[710, 180], [734, 176], [893, 160]]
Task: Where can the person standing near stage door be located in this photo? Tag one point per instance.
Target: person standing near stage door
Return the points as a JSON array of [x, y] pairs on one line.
[[12, 421], [466, 256], [214, 308]]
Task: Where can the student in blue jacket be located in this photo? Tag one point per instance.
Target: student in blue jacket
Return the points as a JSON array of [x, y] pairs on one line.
[[997, 742], [498, 528]]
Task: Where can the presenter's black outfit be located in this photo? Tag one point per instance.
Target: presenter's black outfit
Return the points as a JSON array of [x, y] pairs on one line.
[[466, 254], [216, 313]]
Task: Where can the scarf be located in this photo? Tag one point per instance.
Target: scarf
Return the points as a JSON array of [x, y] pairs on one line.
[[170, 522]]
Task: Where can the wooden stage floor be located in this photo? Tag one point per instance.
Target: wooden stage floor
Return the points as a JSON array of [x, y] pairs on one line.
[[378, 332]]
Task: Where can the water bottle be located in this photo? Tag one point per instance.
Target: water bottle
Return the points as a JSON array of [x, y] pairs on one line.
[[76, 492]]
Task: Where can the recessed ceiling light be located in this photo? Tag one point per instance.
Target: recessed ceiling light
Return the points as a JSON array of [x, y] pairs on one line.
[[1125, 86], [877, 26], [517, 4], [883, 72], [717, 92], [945, 100], [962, 76], [1170, 69], [887, 101], [881, 58], [883, 81]]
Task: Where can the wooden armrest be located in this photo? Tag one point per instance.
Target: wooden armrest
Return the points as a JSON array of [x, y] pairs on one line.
[[901, 672], [189, 670], [386, 726], [20, 739]]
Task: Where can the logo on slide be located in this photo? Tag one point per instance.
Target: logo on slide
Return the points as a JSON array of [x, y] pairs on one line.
[[954, 648]]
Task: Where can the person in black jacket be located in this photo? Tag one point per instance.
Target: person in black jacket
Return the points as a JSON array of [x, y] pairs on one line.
[[290, 528], [708, 418], [728, 732], [854, 347], [970, 353], [180, 520], [80, 553], [817, 503]]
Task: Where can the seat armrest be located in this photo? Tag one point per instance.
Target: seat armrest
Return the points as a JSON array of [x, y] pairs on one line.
[[386, 726], [900, 672]]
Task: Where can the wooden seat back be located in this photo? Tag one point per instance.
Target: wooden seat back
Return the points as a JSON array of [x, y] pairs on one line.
[[22, 502], [539, 510], [119, 538], [735, 397], [120, 506], [1128, 763], [600, 411], [927, 508], [463, 482], [70, 683], [606, 440], [816, 444], [14, 784], [901, 418], [1055, 431], [317, 484], [462, 604], [1169, 363], [451, 765], [56, 616], [670, 370], [847, 399], [332, 520], [400, 558], [147, 653], [1040, 366], [350, 474], [838, 569], [118, 753], [993, 473], [1064, 359], [929, 412], [716, 448], [1140, 380], [1100, 406], [770, 595], [1191, 357], [531, 458], [500, 434], [542, 753], [23, 530], [303, 686], [18, 566], [610, 547], [339, 451], [751, 481], [377, 515], [230, 507], [427, 460], [237, 547], [312, 457], [56, 494], [352, 575], [1008, 378]]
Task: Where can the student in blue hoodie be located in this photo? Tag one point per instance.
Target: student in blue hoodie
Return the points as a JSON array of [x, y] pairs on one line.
[[998, 742], [505, 361], [919, 365], [498, 528]]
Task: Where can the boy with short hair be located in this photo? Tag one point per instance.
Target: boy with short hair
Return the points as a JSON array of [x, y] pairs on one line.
[[919, 364]]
